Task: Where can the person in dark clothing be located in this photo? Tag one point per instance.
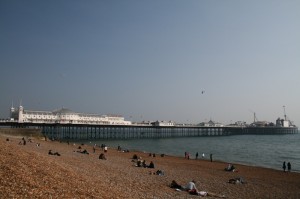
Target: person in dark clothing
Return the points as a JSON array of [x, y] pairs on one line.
[[51, 153], [102, 156], [24, 141], [289, 166], [151, 165], [211, 157], [284, 166]]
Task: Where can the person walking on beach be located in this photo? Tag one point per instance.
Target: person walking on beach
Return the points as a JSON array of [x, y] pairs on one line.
[[289, 166], [94, 148], [197, 155], [210, 157], [284, 166]]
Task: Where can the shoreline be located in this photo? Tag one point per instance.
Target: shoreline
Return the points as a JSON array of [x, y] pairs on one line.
[[270, 159], [29, 172]]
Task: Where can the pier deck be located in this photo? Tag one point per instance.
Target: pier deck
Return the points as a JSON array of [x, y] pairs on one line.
[[88, 132]]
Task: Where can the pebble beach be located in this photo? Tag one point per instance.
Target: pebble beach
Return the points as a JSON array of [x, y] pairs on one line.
[[28, 171]]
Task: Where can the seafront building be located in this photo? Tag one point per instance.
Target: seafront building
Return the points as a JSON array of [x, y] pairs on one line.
[[64, 116], [163, 123], [211, 123]]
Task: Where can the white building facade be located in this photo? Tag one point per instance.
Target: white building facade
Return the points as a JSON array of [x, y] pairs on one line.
[[210, 123], [163, 123], [64, 116]]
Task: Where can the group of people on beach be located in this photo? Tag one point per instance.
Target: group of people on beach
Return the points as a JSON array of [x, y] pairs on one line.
[[139, 162], [187, 156], [288, 165]]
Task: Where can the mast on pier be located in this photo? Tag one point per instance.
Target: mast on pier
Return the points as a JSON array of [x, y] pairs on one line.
[[284, 112]]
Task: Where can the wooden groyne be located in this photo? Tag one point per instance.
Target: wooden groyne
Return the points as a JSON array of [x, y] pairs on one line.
[[89, 132]]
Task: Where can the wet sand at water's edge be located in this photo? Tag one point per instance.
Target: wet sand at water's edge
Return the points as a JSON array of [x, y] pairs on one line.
[[27, 171]]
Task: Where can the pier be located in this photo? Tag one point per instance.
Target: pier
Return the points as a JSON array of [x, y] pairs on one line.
[[90, 132]]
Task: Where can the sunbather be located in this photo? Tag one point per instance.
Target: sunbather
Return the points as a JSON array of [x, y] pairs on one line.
[[192, 189]]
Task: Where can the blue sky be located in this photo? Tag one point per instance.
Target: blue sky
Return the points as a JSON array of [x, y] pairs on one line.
[[150, 60]]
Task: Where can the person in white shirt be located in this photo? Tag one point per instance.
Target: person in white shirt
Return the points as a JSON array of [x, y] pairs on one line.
[[192, 189]]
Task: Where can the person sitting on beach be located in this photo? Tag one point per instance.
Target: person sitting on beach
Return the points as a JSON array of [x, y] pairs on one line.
[[151, 165], [24, 141], [144, 163], [134, 157], [160, 172], [139, 163], [230, 167], [102, 156], [50, 152]]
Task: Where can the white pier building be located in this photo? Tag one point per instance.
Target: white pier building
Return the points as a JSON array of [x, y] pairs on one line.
[[64, 116]]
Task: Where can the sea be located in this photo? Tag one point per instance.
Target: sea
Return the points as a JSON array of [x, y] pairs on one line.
[[267, 151]]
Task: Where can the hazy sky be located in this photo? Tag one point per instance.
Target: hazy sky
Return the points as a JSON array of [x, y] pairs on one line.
[[150, 60]]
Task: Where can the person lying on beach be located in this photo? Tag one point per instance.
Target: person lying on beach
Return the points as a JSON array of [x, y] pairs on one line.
[[192, 189], [238, 180], [51, 153], [83, 152], [158, 172]]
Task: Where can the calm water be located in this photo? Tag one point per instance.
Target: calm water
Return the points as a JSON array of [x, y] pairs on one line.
[[257, 150]]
